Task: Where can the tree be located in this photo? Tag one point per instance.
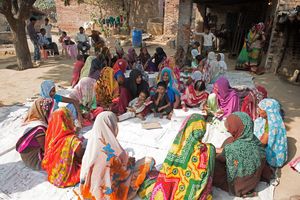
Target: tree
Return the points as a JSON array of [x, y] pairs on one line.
[[16, 12]]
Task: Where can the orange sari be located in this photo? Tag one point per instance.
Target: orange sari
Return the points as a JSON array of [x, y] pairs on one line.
[[60, 146]]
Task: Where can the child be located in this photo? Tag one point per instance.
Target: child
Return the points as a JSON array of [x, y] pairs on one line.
[[136, 107], [161, 104], [194, 95], [209, 39], [78, 65]]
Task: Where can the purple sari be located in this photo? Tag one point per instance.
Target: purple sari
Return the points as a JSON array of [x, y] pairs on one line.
[[228, 99]]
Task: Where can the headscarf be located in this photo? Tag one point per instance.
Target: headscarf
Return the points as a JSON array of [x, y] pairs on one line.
[[84, 91], [131, 55], [144, 58], [260, 27], [222, 62], [160, 56], [172, 85], [212, 103], [131, 85], [197, 76], [60, 145], [228, 99], [277, 150], [96, 66], [170, 63], [211, 57], [86, 67], [119, 49], [46, 87], [217, 68], [245, 155], [40, 110], [187, 171], [107, 87], [105, 173], [140, 67], [191, 98], [120, 65], [194, 53]]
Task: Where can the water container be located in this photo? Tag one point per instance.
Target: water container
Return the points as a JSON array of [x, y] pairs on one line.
[[136, 38]]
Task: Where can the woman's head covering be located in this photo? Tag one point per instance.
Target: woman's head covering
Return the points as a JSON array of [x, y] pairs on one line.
[[244, 156], [46, 87], [263, 91], [131, 85], [277, 152], [228, 99], [173, 85], [84, 91], [194, 53], [260, 27], [87, 67], [131, 55], [140, 67], [196, 76], [160, 56], [101, 149], [120, 64], [222, 63], [40, 110]]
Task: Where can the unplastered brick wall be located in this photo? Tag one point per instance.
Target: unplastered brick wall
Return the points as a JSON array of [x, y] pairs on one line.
[[171, 17], [288, 4]]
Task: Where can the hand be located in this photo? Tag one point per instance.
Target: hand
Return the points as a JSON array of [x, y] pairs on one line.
[[159, 109]]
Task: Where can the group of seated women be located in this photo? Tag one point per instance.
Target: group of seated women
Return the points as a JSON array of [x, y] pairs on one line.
[[103, 96]]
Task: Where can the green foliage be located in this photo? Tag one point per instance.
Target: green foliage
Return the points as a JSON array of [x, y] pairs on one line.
[[45, 4]]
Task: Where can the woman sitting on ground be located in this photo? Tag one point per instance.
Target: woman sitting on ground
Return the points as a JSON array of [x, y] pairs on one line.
[[218, 67], [224, 100], [155, 62], [78, 65], [31, 144], [187, 172], [194, 96], [240, 163], [107, 171], [48, 91], [172, 90], [135, 83], [131, 58], [63, 150], [144, 56], [85, 71], [97, 65], [271, 131], [84, 93]]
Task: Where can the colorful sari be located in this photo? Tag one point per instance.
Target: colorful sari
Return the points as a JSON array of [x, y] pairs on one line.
[[107, 172], [277, 147], [107, 87], [187, 171], [78, 65], [120, 68], [243, 158], [60, 146], [191, 98], [35, 126]]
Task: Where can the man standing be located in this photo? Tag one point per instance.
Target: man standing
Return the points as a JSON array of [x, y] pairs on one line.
[[34, 39], [44, 42], [82, 41], [48, 28]]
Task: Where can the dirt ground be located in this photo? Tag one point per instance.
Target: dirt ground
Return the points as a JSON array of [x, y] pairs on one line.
[[17, 86]]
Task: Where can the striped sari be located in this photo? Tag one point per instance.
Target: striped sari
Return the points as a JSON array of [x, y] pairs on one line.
[[187, 171]]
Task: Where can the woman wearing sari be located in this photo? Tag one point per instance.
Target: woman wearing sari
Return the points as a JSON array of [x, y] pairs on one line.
[[135, 83], [107, 171], [218, 67], [240, 163], [107, 88], [63, 150], [194, 95], [144, 56], [156, 60], [87, 67], [187, 172], [250, 55], [167, 76], [226, 98], [31, 144], [271, 131], [131, 57]]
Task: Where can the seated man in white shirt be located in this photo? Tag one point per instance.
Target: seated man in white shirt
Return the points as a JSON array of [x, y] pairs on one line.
[[82, 41], [209, 39], [44, 42], [48, 28]]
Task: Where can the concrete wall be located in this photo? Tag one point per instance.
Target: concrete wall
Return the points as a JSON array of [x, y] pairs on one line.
[[3, 23]]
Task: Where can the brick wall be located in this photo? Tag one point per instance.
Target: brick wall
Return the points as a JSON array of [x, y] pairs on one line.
[[171, 17], [288, 4]]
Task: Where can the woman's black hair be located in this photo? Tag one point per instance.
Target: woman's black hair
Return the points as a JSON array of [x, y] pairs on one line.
[[199, 86], [162, 84]]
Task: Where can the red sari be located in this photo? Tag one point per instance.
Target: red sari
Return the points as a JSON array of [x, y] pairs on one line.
[[191, 98], [60, 145]]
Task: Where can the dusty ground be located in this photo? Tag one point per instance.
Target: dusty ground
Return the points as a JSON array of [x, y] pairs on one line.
[[17, 86]]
